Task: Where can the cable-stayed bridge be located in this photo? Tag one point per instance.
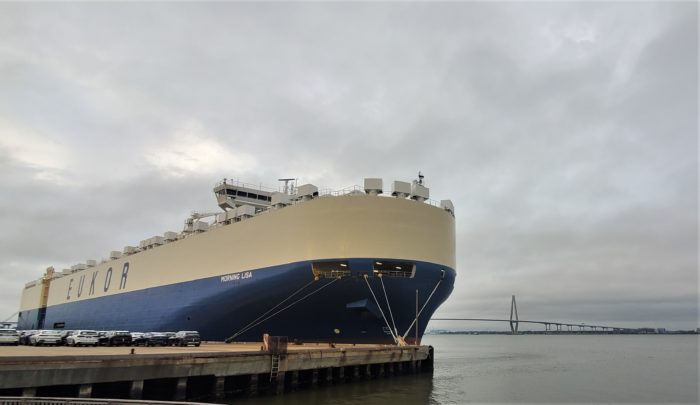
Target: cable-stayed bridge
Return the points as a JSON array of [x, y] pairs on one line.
[[550, 326]]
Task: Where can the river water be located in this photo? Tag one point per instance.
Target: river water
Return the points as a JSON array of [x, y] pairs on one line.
[[534, 369]]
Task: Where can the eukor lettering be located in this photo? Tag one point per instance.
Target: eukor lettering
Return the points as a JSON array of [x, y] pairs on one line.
[[108, 278], [108, 281], [92, 285], [80, 285], [125, 274], [70, 287]]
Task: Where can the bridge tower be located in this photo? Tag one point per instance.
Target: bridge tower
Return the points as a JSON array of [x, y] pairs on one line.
[[513, 309]]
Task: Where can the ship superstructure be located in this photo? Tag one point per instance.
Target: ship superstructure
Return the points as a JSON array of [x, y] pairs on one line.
[[354, 265]]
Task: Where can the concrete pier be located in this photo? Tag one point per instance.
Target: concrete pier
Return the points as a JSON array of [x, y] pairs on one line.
[[207, 373], [136, 389]]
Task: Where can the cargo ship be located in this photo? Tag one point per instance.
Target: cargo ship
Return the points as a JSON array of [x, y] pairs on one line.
[[357, 265]]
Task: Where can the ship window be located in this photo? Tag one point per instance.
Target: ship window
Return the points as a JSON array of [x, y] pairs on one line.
[[230, 192], [392, 268], [253, 196], [241, 193], [264, 198], [331, 269]]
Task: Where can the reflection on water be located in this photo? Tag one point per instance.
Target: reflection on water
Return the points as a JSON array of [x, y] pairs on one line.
[[405, 389], [530, 368]]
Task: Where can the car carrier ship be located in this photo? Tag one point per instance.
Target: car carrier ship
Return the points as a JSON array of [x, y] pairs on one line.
[[356, 265]]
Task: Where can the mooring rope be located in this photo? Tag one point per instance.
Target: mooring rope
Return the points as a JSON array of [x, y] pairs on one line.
[[381, 280], [273, 308], [256, 323], [423, 307], [396, 340]]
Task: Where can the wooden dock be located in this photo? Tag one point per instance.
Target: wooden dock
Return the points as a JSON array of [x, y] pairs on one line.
[[209, 373]]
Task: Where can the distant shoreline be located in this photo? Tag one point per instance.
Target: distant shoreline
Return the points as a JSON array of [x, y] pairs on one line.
[[528, 332]]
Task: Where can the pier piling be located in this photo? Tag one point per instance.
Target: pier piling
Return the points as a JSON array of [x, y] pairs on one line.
[[253, 385], [29, 392], [136, 389], [219, 387], [85, 391], [181, 389]]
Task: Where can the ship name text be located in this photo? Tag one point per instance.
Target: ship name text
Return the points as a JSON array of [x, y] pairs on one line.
[[77, 286], [236, 276]]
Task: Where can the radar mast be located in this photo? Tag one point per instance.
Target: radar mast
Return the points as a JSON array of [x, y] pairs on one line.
[[287, 188]]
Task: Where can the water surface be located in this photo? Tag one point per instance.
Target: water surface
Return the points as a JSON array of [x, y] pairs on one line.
[[534, 369]]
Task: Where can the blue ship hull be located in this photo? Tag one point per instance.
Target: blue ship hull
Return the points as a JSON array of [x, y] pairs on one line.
[[281, 300]]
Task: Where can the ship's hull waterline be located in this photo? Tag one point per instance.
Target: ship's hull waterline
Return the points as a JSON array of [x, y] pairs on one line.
[[307, 271]]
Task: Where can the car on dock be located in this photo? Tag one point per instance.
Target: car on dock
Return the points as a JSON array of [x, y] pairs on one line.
[[9, 337], [138, 339], [187, 338], [46, 337], [25, 335], [82, 338], [171, 338], [119, 338], [102, 338], [64, 336], [156, 339]]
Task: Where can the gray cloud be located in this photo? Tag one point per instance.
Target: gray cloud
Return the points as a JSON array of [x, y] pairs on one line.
[[566, 134]]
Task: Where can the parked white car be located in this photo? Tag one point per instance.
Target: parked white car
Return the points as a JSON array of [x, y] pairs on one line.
[[46, 337], [83, 338], [9, 337]]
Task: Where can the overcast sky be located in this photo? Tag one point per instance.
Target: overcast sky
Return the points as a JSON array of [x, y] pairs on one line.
[[566, 135]]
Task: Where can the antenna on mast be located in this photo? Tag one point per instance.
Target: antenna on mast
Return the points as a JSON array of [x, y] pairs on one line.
[[420, 178], [286, 185]]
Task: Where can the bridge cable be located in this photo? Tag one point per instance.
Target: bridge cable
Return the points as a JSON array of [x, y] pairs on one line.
[[391, 315], [247, 328], [396, 340], [423, 307]]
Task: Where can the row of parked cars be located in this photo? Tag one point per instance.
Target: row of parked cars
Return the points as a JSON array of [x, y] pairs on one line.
[[98, 338]]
